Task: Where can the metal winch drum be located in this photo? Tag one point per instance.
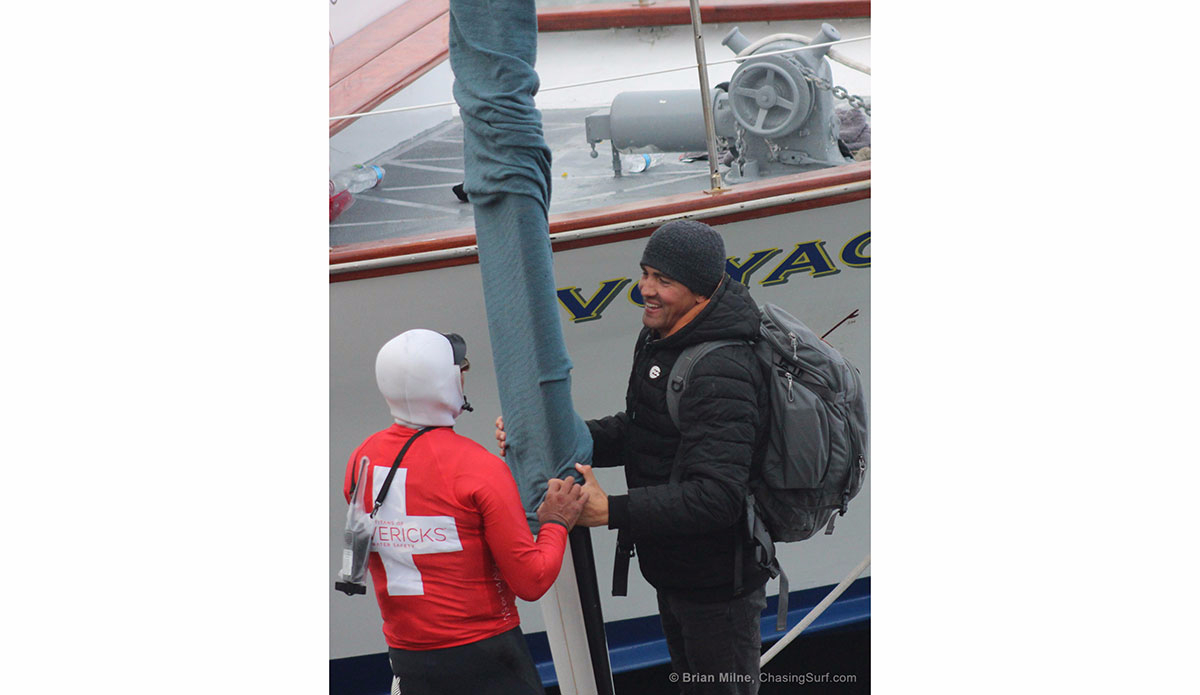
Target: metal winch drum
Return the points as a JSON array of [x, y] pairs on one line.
[[770, 112]]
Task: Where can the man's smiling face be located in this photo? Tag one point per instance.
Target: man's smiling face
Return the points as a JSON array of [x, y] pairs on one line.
[[667, 301]]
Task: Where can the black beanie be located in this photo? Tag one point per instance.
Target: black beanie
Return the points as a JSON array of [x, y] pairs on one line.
[[690, 252]]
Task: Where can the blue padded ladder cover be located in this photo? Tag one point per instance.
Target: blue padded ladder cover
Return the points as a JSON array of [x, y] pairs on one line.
[[493, 48]]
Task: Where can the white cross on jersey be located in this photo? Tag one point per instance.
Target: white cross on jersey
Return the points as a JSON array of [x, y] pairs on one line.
[[399, 536]]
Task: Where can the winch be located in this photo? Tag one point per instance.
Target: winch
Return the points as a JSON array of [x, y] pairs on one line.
[[772, 115]]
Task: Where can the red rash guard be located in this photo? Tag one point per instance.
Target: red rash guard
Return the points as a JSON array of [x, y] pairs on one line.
[[451, 543]]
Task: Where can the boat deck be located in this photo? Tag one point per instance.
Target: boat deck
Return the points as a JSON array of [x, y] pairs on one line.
[[416, 197]]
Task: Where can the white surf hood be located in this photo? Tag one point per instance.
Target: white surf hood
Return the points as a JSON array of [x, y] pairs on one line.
[[418, 378]]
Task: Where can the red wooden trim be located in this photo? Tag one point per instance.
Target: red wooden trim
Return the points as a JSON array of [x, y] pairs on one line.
[[399, 270], [380, 35], [666, 12], [686, 202], [391, 71], [719, 220], [405, 246], [610, 239]]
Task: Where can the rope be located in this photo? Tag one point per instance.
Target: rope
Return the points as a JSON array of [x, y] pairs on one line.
[[833, 54], [815, 612], [608, 79]]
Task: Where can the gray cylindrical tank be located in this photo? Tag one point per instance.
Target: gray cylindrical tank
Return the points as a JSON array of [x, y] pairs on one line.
[[665, 121]]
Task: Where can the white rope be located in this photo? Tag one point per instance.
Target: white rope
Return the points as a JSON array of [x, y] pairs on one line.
[[850, 62], [833, 54], [608, 79], [815, 612]]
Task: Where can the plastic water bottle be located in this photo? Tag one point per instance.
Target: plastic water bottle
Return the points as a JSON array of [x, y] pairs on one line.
[[356, 180], [635, 163]]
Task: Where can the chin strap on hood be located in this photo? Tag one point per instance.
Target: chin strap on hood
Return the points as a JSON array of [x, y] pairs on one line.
[[419, 380]]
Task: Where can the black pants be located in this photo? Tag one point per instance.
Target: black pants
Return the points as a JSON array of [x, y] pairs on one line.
[[714, 646], [499, 665]]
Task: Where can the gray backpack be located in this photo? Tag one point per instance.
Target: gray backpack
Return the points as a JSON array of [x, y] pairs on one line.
[[814, 456]]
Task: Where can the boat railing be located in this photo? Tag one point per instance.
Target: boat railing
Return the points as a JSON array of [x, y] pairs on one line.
[[404, 43], [861, 67], [386, 56]]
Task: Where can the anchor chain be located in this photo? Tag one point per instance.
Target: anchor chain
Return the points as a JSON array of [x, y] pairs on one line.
[[838, 92], [740, 145]]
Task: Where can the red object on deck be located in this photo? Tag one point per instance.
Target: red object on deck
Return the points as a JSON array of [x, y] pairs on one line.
[[338, 203]]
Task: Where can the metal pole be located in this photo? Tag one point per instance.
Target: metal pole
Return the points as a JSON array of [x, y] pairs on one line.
[[702, 67], [589, 600]]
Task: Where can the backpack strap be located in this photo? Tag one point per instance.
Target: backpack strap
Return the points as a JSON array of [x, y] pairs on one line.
[[681, 373], [387, 484], [764, 549], [625, 550]]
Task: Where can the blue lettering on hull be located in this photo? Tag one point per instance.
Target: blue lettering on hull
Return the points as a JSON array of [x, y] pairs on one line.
[[808, 258], [581, 310]]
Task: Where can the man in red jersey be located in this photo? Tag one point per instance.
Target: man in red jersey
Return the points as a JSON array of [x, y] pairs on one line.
[[451, 548]]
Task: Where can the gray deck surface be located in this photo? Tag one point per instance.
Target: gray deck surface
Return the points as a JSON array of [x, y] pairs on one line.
[[415, 195]]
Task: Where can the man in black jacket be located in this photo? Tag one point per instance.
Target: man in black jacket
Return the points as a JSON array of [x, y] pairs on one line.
[[689, 535]]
